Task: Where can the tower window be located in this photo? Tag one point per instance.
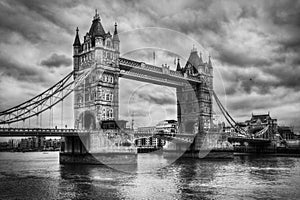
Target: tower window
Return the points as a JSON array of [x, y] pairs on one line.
[[111, 113], [108, 43], [103, 113]]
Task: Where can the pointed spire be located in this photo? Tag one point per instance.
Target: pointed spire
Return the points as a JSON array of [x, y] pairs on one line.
[[96, 29], [194, 49], [116, 37], [116, 31], [77, 40], [178, 68], [201, 61], [209, 61], [97, 16]]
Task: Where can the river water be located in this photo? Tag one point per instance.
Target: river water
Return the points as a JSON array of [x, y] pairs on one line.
[[39, 175]]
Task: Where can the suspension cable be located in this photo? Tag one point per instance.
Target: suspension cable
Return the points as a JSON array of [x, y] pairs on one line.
[[228, 117], [40, 103]]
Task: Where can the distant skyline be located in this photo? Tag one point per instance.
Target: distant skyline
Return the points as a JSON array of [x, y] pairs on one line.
[[254, 47]]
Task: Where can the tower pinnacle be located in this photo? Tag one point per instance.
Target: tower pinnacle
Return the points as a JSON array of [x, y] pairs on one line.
[[178, 68], [116, 37], [77, 40], [97, 16]]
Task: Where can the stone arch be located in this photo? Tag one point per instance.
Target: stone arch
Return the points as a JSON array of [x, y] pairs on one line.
[[87, 121], [189, 127]]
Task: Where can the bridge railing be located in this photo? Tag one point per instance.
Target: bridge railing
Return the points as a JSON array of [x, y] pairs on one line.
[[119, 149]]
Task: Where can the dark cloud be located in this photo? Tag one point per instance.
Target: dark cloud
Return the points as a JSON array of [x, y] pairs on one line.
[[256, 44], [19, 71], [56, 60], [248, 12], [43, 9], [157, 99], [288, 76], [238, 58]]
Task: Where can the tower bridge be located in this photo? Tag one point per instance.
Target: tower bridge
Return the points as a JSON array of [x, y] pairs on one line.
[[97, 68]]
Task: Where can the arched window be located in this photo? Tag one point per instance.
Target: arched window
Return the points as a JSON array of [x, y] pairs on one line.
[[111, 113], [107, 113], [107, 97], [103, 113], [93, 95], [87, 96], [79, 99], [108, 43]]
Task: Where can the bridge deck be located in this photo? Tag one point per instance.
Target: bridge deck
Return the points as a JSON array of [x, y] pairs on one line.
[[258, 141], [28, 132]]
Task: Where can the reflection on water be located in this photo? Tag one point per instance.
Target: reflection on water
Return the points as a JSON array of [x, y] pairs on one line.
[[39, 176]]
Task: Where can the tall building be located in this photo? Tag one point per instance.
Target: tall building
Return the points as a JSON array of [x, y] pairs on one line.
[[194, 102], [96, 99]]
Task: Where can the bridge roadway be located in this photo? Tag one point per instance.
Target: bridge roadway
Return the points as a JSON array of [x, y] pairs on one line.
[[186, 138], [42, 132], [255, 141]]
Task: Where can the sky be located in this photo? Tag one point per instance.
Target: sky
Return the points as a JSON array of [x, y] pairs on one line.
[[254, 47]]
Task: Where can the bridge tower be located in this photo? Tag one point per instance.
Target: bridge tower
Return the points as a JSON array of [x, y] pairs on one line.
[[194, 101], [96, 99]]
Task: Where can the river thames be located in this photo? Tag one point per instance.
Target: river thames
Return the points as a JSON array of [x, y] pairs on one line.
[[39, 175]]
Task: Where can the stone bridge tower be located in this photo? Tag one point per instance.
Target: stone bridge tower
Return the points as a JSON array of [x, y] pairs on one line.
[[194, 102], [96, 99]]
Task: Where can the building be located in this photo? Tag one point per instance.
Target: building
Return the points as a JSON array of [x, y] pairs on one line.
[[167, 126], [96, 99], [194, 102], [257, 123], [287, 133], [146, 129]]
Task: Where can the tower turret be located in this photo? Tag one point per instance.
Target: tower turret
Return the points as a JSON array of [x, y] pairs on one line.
[[116, 40], [76, 51], [178, 68], [200, 58]]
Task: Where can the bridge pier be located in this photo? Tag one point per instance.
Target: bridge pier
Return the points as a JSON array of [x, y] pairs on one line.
[[95, 148]]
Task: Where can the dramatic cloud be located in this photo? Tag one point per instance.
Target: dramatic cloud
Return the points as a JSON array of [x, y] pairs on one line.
[[56, 60], [254, 47]]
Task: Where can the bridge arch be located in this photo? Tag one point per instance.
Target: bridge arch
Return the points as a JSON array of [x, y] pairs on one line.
[[190, 126], [87, 120]]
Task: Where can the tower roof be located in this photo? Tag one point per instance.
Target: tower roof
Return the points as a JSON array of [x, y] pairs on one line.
[[194, 58], [116, 37], [77, 40], [97, 28], [178, 68]]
